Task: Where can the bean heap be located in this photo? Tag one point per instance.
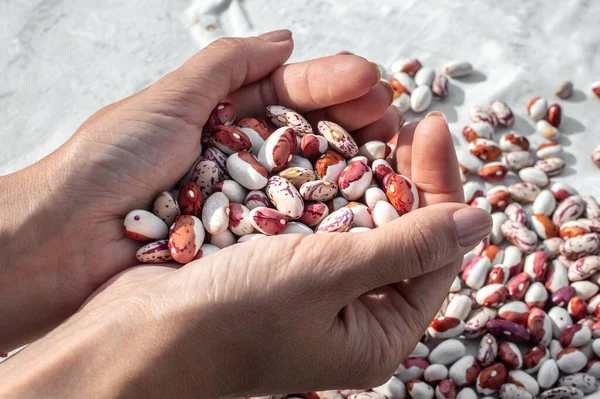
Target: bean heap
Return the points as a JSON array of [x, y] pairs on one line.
[[258, 178], [528, 292]]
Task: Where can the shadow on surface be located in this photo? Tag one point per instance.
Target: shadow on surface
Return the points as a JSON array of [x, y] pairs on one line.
[[570, 125], [473, 77], [577, 96]]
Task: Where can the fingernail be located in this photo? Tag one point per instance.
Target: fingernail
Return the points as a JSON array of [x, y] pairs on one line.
[[377, 69], [401, 118], [389, 88], [437, 113], [277, 36], [472, 224]]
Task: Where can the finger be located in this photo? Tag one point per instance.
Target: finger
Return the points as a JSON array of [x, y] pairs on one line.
[[434, 167], [382, 129], [222, 67], [417, 243], [403, 154], [309, 85], [359, 112]]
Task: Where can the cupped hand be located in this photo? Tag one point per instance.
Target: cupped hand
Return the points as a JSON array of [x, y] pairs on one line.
[[291, 313], [132, 150]]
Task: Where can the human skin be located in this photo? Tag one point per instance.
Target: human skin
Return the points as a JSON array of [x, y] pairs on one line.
[[282, 314]]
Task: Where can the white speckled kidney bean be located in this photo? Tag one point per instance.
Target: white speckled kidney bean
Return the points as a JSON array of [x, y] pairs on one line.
[[571, 360], [513, 391], [516, 213], [502, 112], [536, 296], [469, 161], [484, 149], [488, 350], [419, 389], [206, 174], [517, 286], [498, 197], [362, 215], [411, 369], [520, 236], [500, 273], [535, 176], [537, 108], [475, 273], [384, 212], [330, 165], [215, 213], [592, 209], [281, 116], [544, 204], [492, 295], [144, 226], [393, 388], [254, 199], [570, 208], [166, 208], [561, 191], [456, 285], [555, 348], [246, 170], [584, 268], [338, 138], [478, 114], [337, 203], [515, 311], [522, 379], [285, 197], [524, 193], [446, 353], [355, 180], [239, 219], [548, 374], [560, 320], [298, 176], [278, 150], [256, 131], [556, 277], [466, 393], [223, 239], [584, 382], [154, 252], [435, 373], [268, 221], [232, 189], [300, 162], [581, 246], [472, 190], [514, 259], [337, 222], [562, 393], [551, 166], [476, 323], [446, 327], [551, 247], [205, 250], [319, 190], [446, 389], [546, 130], [420, 99], [518, 160]]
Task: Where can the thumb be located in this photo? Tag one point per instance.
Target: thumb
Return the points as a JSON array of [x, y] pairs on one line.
[[415, 244], [219, 69]]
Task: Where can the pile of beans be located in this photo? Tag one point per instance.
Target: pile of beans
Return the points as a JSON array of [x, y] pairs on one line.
[[528, 292], [258, 178]]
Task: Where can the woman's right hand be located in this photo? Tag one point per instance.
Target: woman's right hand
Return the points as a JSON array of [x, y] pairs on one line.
[[280, 314]]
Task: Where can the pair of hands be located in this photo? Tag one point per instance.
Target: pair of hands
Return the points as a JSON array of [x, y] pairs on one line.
[[288, 313]]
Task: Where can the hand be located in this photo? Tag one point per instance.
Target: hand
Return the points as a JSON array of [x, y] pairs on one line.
[[63, 236], [280, 314]]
